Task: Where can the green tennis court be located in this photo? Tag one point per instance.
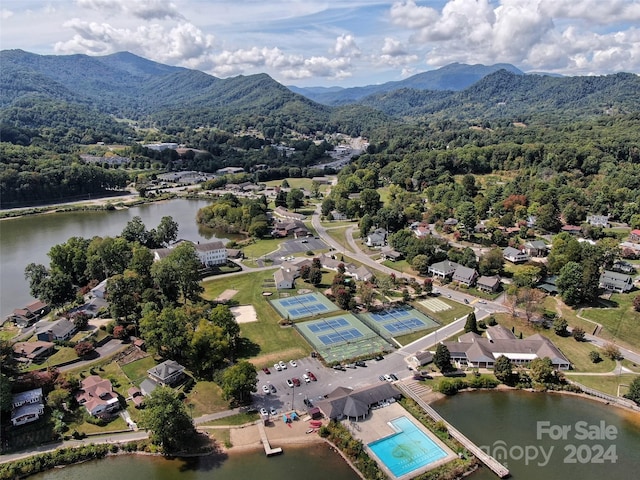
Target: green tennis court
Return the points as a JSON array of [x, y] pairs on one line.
[[397, 321], [301, 306], [342, 337]]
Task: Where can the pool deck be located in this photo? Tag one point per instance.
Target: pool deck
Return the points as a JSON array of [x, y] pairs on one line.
[[376, 427]]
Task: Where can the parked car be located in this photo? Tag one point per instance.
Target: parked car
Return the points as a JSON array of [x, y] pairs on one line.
[[381, 378], [379, 357], [312, 376], [388, 378], [283, 365], [263, 412], [351, 365], [393, 376], [360, 363], [266, 370], [306, 378], [466, 301], [277, 367], [339, 367], [308, 403], [273, 411], [273, 388], [266, 389], [296, 381], [293, 363], [289, 383]]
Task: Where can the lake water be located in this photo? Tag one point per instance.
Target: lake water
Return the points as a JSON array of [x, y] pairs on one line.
[[312, 462], [525, 429], [28, 239]]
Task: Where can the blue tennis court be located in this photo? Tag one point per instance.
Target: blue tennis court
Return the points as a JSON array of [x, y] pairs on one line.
[[339, 337], [397, 321], [329, 324], [301, 306]]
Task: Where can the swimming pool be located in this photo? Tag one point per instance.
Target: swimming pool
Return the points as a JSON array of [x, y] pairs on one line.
[[407, 450]]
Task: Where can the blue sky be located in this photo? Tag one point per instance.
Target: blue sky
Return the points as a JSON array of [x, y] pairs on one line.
[[335, 42]]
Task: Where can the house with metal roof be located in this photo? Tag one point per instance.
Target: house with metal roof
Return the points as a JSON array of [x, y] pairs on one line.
[[443, 269], [536, 248], [27, 406], [615, 282], [490, 284], [514, 255], [60, 330], [167, 373], [465, 275]]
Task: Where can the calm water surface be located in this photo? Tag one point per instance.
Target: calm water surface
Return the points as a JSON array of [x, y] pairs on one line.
[[28, 239], [315, 462], [509, 422]]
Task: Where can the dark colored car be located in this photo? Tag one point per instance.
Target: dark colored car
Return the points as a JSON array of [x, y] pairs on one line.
[[266, 370], [308, 403], [381, 378], [312, 376], [379, 357], [339, 367], [296, 381], [360, 363], [392, 375], [273, 388]]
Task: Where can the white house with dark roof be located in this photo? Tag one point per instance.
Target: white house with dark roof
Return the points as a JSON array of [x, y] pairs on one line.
[[598, 220], [465, 275], [167, 373], [476, 351], [211, 253], [536, 248], [443, 269], [616, 282], [27, 406], [377, 238], [514, 255]]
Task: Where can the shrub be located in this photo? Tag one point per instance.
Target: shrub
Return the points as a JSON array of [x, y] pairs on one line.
[[594, 356]]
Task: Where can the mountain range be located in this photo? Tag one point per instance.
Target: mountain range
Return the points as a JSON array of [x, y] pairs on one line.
[[89, 92]]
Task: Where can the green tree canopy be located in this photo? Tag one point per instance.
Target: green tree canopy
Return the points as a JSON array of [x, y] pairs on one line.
[[239, 381], [442, 358], [167, 420]]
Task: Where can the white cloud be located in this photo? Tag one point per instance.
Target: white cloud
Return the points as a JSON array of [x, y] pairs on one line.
[[4, 14], [144, 9], [395, 54], [346, 46]]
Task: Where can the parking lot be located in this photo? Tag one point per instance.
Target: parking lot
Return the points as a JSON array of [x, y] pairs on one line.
[[328, 380], [298, 245]]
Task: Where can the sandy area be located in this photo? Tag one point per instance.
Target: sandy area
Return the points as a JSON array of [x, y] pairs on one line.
[[247, 437], [244, 313]]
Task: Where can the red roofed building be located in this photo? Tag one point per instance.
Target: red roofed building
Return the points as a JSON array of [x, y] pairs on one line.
[[634, 235], [97, 396]]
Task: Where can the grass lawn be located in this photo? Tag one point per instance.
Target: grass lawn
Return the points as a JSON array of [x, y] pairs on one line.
[[261, 247], [412, 337], [401, 266], [576, 352], [607, 384], [63, 354], [266, 341], [8, 331], [338, 223], [116, 424], [137, 371], [631, 365], [206, 397], [221, 435], [304, 183], [339, 235], [620, 321]]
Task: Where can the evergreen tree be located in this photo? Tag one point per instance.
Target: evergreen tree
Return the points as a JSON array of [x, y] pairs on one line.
[[442, 358], [471, 325]]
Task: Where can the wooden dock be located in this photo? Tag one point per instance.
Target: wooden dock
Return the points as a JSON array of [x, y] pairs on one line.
[[265, 441], [495, 466]]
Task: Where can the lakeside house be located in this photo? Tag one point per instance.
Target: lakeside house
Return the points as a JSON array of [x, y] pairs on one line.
[[347, 403], [26, 406], [473, 350], [28, 315], [210, 254], [167, 373], [32, 351], [59, 330], [97, 396]]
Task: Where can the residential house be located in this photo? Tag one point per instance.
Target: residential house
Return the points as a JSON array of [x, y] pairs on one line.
[[630, 247], [598, 221], [615, 282], [23, 317], [167, 373], [235, 253], [27, 406], [361, 274], [284, 213], [97, 396], [100, 290], [32, 351], [489, 284], [536, 248], [355, 404], [136, 396], [336, 215], [514, 255], [623, 267], [572, 229], [634, 235], [422, 230], [476, 351], [548, 284], [531, 221], [229, 170], [387, 253], [451, 222], [465, 275], [378, 238], [59, 330], [443, 269]]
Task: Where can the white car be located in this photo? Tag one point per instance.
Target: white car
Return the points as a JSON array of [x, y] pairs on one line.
[[266, 389], [306, 378], [388, 378], [283, 365], [263, 412], [273, 411], [289, 383], [277, 366], [293, 363]]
